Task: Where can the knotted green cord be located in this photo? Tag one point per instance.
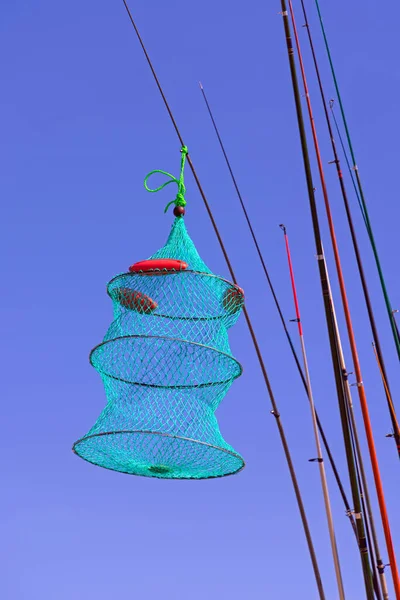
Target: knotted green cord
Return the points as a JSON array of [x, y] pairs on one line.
[[180, 197]]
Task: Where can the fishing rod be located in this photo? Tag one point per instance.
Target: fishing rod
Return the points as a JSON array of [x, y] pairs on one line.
[[278, 307], [349, 324], [371, 548], [327, 299], [395, 322], [361, 271], [396, 430], [275, 412], [364, 208], [349, 168], [384, 384], [319, 459], [379, 359], [361, 476]]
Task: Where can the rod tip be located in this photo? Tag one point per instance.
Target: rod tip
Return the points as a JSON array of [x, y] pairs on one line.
[[201, 85]]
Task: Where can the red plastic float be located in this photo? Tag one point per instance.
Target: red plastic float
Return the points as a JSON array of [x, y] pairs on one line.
[[134, 300], [158, 266], [233, 299]]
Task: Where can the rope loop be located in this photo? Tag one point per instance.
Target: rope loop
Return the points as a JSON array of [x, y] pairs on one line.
[[180, 197]]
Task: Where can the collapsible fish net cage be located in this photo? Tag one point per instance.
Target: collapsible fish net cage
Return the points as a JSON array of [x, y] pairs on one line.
[[166, 365]]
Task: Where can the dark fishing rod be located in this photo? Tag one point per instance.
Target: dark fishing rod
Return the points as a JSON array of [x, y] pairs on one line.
[[349, 168], [353, 234], [320, 458], [275, 412], [328, 305], [364, 208], [395, 311], [279, 309], [350, 331], [384, 385]]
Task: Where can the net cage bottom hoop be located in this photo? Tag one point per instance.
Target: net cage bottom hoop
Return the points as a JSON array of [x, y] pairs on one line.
[[176, 457]]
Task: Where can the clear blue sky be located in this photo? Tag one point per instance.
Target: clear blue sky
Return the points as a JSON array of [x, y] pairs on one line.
[[81, 125]]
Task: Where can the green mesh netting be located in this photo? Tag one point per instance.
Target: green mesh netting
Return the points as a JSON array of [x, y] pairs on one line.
[[165, 372]]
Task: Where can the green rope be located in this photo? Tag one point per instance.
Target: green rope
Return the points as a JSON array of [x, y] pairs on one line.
[[180, 197], [364, 208]]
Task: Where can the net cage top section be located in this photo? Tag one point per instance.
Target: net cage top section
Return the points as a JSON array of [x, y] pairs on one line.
[[180, 246], [191, 304]]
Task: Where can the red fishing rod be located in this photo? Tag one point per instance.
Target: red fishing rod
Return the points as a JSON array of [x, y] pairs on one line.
[[349, 324], [319, 459]]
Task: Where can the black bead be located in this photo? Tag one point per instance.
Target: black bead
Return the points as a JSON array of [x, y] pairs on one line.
[[179, 211]]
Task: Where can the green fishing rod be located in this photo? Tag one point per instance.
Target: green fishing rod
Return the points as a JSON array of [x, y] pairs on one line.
[[363, 204]]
